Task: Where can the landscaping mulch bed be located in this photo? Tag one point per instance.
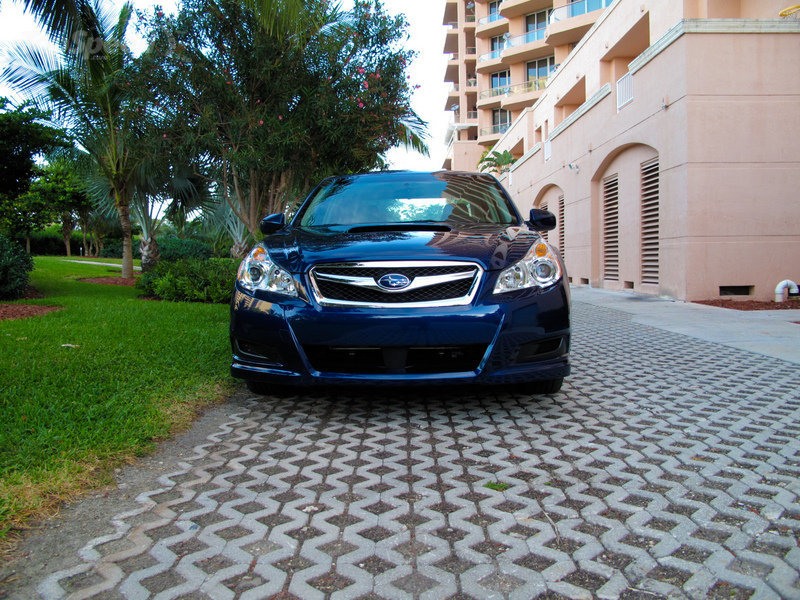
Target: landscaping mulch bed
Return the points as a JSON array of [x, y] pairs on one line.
[[753, 304], [21, 311], [129, 281]]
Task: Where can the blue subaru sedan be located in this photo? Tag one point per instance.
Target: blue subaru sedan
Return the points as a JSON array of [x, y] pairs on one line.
[[403, 278]]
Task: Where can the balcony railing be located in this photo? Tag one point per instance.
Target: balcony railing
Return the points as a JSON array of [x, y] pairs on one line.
[[624, 90], [452, 56], [495, 91], [553, 71], [494, 54], [495, 129], [533, 85], [531, 36], [469, 114], [454, 87], [577, 8], [472, 82], [451, 24], [491, 18], [469, 18], [472, 50], [520, 88]]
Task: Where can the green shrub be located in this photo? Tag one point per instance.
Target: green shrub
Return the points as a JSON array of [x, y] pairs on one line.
[[175, 248], [112, 248], [15, 266], [50, 243], [191, 280]]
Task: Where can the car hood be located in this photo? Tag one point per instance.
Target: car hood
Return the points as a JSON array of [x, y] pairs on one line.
[[492, 246]]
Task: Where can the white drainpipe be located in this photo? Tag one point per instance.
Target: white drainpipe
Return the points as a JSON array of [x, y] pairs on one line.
[[784, 285]]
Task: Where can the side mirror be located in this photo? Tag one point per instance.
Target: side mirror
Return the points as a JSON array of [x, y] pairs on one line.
[[272, 223], [542, 220]]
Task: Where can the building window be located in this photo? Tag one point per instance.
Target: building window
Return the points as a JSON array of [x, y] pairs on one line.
[[536, 21], [501, 117], [500, 79], [650, 218], [497, 43], [541, 69], [494, 10], [501, 120], [611, 228]]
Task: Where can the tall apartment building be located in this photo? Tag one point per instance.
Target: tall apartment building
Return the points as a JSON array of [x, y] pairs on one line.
[[664, 134]]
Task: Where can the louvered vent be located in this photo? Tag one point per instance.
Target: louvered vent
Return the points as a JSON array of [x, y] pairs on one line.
[[543, 206], [561, 245], [650, 192], [611, 228]]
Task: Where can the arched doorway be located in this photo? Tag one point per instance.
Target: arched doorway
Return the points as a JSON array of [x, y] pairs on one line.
[[626, 240], [552, 198]]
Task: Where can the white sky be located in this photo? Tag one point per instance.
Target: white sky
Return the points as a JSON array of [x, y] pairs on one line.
[[426, 38]]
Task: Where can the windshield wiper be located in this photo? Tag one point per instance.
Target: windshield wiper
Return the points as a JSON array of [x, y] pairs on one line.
[[413, 226]]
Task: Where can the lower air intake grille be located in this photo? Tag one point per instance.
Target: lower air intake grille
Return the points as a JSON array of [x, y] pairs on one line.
[[414, 360]]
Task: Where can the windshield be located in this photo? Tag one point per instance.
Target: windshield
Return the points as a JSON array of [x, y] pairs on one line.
[[447, 198]]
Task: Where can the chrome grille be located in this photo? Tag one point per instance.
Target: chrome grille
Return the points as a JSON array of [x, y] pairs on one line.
[[430, 283]]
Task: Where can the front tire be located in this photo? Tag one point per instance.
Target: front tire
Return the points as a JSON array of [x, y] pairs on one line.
[[267, 389], [545, 386]]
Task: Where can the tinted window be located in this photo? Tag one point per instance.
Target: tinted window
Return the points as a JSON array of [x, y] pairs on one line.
[[438, 198]]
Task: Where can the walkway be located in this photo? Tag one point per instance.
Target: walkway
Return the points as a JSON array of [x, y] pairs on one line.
[[668, 467]]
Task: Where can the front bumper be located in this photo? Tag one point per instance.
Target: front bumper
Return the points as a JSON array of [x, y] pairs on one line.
[[499, 339]]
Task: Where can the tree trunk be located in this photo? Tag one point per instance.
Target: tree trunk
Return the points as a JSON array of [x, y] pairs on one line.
[[28, 243], [67, 227], [150, 253], [239, 249], [66, 236], [127, 240]]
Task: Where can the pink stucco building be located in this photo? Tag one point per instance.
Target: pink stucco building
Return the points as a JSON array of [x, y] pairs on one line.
[[664, 135]]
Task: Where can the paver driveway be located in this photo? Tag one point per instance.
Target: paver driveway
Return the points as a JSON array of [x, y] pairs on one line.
[[667, 467]]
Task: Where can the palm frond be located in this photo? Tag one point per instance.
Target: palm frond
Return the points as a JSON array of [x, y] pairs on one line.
[[413, 134], [60, 18], [277, 17]]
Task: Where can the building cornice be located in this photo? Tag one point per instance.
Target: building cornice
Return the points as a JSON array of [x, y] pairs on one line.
[[712, 26]]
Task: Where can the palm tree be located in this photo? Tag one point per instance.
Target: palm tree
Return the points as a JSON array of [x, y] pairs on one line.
[[499, 162], [170, 193], [222, 224], [62, 19], [84, 85]]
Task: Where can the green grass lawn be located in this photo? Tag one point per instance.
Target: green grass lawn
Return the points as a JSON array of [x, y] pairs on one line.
[[134, 371]]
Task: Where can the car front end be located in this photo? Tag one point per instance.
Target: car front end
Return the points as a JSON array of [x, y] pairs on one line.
[[407, 302]]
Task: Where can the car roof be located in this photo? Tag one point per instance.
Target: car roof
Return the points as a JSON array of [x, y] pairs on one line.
[[412, 175]]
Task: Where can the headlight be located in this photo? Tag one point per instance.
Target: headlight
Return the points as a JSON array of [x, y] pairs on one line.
[[539, 268], [258, 272]]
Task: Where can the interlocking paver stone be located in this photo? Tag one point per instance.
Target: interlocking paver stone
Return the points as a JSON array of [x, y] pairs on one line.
[[667, 467]]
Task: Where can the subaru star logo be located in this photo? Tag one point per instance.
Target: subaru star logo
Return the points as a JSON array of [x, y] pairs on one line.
[[393, 282]]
